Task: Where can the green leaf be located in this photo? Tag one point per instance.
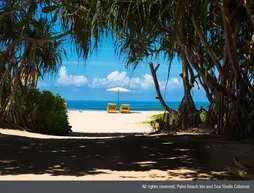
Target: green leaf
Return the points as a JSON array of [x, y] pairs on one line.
[[32, 52], [36, 24], [27, 31], [56, 15], [20, 25]]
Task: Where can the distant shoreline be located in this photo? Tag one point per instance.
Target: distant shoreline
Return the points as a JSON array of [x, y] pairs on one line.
[[142, 106], [114, 101], [102, 110]]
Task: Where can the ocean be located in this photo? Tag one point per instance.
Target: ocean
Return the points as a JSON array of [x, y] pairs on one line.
[[135, 105]]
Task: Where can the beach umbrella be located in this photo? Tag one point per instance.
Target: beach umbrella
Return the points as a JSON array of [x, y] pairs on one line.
[[118, 90]]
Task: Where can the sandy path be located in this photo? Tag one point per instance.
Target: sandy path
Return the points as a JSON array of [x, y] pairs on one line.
[[127, 158]]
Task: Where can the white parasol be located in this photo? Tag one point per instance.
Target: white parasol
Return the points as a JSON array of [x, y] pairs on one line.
[[118, 89]]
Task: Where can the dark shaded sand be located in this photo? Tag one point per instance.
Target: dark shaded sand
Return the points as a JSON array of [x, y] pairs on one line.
[[27, 156]]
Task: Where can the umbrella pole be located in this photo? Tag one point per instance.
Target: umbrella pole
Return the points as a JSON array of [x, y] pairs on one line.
[[118, 99]]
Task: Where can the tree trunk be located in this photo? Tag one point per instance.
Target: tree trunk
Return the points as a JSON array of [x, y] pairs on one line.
[[12, 110], [187, 110], [157, 87]]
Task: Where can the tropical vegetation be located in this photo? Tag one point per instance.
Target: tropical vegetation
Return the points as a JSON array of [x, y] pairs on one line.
[[212, 38]]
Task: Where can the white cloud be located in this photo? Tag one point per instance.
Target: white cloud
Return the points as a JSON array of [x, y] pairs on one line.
[[121, 79], [94, 63], [65, 79], [172, 83], [113, 79]]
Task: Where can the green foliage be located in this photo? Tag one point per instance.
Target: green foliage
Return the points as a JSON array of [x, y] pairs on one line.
[[156, 117], [173, 117], [202, 116], [198, 31], [49, 112]]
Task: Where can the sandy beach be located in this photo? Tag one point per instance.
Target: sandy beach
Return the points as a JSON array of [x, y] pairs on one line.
[[103, 122], [90, 155], [97, 124]]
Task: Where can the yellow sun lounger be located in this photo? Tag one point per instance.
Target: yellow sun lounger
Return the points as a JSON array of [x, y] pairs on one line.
[[111, 108], [125, 108]]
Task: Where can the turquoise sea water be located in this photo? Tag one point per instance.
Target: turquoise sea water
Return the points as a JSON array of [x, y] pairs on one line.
[[135, 105]]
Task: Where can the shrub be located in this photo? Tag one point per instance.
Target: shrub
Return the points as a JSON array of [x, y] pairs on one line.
[[173, 117], [48, 111], [157, 117]]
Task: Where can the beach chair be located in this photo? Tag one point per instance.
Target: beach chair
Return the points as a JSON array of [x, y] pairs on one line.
[[125, 108], [111, 108]]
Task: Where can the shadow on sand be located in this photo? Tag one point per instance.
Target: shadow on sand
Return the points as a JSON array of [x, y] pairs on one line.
[[82, 134], [78, 157]]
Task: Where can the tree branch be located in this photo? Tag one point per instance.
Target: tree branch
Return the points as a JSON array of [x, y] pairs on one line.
[[27, 3], [156, 68], [48, 39], [157, 87], [210, 51]]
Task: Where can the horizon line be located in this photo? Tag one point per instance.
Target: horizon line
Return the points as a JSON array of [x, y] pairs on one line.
[[135, 100]]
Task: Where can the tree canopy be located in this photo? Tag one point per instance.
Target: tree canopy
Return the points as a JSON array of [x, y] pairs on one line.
[[213, 39]]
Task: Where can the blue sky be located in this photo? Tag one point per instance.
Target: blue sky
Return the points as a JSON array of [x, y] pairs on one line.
[[80, 80]]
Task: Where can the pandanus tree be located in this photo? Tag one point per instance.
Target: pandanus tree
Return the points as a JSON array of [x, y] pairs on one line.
[[137, 28], [213, 39], [231, 88], [29, 50]]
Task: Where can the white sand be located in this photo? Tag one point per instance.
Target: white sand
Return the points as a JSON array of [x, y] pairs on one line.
[[103, 122], [108, 175], [99, 121], [96, 122]]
